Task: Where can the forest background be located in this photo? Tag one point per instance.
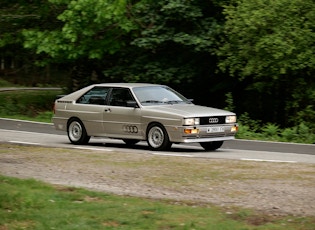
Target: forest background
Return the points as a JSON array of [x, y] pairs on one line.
[[256, 58]]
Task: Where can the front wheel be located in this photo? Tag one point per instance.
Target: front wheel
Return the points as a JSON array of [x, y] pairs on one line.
[[211, 146], [77, 133], [157, 138]]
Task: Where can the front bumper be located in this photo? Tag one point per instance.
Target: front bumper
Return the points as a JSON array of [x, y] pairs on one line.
[[198, 140], [203, 133]]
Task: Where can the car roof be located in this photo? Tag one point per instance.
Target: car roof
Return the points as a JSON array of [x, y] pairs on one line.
[[129, 85], [74, 95]]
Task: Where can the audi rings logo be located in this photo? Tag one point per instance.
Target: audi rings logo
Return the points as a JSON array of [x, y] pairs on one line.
[[130, 129], [213, 120]]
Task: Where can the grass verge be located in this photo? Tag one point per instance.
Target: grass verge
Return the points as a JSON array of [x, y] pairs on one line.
[[30, 204], [28, 105]]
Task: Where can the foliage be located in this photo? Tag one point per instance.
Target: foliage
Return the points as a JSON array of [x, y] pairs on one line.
[[269, 38], [174, 45], [170, 42], [31, 104], [4, 83], [229, 102], [90, 28], [89, 33], [269, 46], [270, 130], [264, 49], [256, 130], [15, 16]]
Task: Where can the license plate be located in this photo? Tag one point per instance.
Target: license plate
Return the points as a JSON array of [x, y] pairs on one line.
[[215, 129]]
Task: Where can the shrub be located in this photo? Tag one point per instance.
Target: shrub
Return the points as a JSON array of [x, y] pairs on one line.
[[251, 129], [270, 130]]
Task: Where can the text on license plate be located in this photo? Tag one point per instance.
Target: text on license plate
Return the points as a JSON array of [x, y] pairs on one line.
[[215, 129]]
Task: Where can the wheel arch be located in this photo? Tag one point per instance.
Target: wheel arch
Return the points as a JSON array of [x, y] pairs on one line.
[[73, 118], [168, 129], [150, 124]]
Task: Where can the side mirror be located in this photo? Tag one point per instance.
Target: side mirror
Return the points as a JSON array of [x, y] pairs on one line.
[[132, 104]]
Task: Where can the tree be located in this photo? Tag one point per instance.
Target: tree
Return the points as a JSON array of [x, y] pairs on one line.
[[16, 16], [90, 28], [174, 45], [269, 45], [169, 42]]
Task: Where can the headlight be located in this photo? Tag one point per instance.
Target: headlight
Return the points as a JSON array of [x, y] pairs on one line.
[[230, 119], [191, 121]]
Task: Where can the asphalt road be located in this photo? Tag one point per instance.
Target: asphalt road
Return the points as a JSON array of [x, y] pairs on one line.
[[44, 134], [28, 88]]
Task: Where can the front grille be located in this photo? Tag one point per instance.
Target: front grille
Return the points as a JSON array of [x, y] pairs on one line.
[[205, 120]]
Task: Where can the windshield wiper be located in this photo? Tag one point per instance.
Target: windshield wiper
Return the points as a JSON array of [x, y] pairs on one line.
[[174, 102], [163, 102], [152, 101]]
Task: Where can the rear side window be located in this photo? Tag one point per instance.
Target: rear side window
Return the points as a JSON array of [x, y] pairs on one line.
[[95, 96]]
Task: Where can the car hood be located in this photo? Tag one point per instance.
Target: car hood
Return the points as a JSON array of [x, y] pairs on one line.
[[189, 110]]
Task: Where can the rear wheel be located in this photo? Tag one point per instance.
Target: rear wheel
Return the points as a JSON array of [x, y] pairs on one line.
[[211, 146], [77, 133], [157, 137]]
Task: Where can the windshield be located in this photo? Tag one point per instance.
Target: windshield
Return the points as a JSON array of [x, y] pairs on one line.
[[159, 95]]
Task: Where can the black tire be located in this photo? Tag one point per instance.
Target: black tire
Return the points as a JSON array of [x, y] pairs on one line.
[[211, 146], [157, 138], [130, 142], [77, 132]]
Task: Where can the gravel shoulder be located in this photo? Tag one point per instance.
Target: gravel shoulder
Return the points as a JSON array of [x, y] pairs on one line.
[[272, 188]]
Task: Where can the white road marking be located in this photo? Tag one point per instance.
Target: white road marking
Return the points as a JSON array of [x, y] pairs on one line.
[[172, 155], [83, 148], [98, 149], [26, 121], [26, 132], [23, 142], [273, 142], [263, 160]]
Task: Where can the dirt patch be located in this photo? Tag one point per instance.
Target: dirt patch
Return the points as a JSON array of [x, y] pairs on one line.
[[272, 188]]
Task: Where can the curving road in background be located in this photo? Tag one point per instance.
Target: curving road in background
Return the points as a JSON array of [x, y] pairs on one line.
[[44, 134]]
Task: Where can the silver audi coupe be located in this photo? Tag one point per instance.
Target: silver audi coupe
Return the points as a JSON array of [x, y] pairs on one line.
[[136, 112]]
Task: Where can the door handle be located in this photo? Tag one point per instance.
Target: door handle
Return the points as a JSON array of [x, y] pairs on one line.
[[107, 110]]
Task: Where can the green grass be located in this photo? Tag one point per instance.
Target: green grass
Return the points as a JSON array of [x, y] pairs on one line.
[[4, 83], [40, 117], [28, 105], [29, 204]]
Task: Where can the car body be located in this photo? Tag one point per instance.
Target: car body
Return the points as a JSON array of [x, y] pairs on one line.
[[141, 111]]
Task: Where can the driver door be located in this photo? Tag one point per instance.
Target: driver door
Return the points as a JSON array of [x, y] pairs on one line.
[[121, 121]]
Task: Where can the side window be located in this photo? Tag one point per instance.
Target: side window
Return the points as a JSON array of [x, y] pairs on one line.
[[120, 96], [96, 96]]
